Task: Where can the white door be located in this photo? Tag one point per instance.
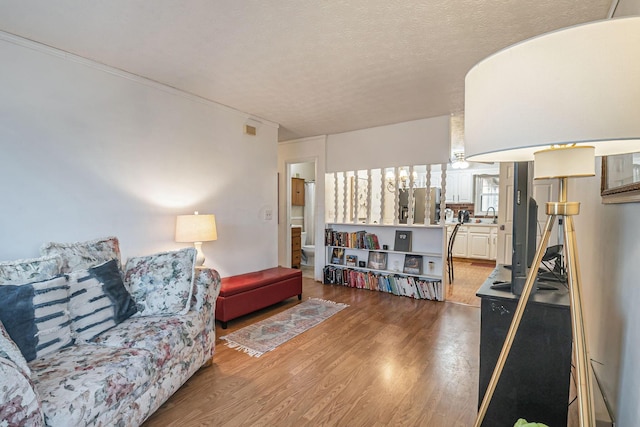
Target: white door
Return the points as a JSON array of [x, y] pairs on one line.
[[505, 214], [545, 190]]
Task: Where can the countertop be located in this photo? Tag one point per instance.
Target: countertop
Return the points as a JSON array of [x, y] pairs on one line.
[[474, 224]]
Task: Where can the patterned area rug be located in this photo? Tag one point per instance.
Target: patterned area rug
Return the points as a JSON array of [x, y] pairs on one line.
[[266, 335]]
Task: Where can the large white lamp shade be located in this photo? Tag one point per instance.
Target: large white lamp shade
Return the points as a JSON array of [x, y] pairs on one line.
[[196, 229], [578, 85]]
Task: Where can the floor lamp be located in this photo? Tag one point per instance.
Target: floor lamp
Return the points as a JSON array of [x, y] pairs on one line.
[[559, 99]]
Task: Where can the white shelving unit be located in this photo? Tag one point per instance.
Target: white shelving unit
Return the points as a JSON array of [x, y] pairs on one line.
[[427, 241]]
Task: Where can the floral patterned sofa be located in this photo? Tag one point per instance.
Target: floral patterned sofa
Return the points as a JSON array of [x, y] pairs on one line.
[[116, 374]]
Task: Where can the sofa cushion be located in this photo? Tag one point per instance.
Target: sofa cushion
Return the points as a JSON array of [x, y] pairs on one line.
[[36, 317], [256, 279], [19, 402], [83, 255], [99, 300], [165, 337], [9, 350], [80, 384], [162, 283], [29, 270]]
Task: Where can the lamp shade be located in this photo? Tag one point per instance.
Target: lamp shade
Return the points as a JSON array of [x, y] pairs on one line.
[[564, 162], [196, 228], [579, 85]]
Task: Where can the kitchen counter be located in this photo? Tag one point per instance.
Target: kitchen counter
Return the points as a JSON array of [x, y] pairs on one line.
[[472, 224], [474, 240]]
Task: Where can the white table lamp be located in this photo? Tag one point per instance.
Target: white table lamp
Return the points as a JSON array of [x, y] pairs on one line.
[[559, 99], [196, 229]]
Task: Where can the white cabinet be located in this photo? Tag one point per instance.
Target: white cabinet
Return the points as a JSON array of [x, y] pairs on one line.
[[475, 241], [460, 244], [459, 187], [493, 243], [478, 243]]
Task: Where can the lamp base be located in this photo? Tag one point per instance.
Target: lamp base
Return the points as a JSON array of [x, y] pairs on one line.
[[199, 254]]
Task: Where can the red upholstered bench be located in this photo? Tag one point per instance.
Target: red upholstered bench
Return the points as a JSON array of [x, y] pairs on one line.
[[246, 293]]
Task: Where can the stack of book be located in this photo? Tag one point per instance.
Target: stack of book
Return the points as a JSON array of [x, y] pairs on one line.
[[409, 286], [357, 240]]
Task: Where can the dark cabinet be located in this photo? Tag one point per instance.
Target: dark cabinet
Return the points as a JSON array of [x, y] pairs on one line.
[[535, 381], [296, 246], [297, 191]]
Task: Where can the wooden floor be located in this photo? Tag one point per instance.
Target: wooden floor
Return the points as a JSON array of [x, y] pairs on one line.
[[385, 360], [468, 276]]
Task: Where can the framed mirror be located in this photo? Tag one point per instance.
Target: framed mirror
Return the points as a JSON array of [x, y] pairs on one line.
[[620, 178]]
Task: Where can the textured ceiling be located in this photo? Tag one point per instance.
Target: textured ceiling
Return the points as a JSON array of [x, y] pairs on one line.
[[315, 67]]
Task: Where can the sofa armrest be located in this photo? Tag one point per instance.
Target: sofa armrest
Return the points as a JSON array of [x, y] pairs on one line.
[[205, 293], [206, 288], [19, 402]]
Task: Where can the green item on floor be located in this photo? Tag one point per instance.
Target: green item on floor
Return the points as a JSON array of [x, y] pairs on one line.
[[524, 423]]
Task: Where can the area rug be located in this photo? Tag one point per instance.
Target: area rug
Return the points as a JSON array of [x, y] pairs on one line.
[[266, 335]]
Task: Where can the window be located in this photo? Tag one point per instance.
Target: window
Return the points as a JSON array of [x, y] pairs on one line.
[[486, 197]]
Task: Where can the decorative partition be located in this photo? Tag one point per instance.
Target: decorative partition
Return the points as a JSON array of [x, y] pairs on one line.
[[411, 195]]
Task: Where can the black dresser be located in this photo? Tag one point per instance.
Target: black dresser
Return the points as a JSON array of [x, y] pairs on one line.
[[535, 381]]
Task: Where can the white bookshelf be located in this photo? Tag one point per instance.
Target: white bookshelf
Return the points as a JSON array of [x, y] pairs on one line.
[[427, 242]]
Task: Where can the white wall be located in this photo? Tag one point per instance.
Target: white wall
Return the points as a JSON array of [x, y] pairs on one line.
[[416, 142], [87, 151], [609, 252]]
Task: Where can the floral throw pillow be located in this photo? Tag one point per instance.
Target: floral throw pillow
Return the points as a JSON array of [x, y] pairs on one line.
[[99, 300], [29, 270], [162, 283], [36, 316], [9, 350], [83, 255]]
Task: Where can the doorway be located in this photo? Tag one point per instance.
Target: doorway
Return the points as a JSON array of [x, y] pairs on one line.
[[302, 214]]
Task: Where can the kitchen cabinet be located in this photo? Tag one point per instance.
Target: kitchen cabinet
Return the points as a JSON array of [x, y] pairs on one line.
[[297, 191], [475, 241], [478, 243], [460, 244], [459, 187], [493, 243]]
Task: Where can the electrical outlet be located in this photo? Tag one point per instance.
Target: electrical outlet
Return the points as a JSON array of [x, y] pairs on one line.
[[268, 214]]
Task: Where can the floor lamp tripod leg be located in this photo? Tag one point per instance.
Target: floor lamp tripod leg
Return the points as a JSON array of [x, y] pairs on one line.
[[584, 387], [515, 323]]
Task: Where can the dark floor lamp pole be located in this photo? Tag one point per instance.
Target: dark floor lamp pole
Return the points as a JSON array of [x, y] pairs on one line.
[[583, 368]]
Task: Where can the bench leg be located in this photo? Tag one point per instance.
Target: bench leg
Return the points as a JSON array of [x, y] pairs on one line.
[[299, 297], [223, 324]]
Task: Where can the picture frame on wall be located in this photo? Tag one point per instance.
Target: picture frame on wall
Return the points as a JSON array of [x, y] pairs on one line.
[[377, 260]]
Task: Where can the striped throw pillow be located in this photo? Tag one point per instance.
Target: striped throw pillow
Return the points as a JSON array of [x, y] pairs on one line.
[[35, 316], [99, 300]]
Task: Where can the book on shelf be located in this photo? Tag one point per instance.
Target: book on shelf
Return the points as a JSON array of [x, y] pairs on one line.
[[413, 264], [377, 260], [410, 286], [357, 240], [351, 260], [403, 241], [337, 256]]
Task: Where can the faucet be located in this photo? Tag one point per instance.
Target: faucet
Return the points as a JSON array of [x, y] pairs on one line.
[[494, 214]]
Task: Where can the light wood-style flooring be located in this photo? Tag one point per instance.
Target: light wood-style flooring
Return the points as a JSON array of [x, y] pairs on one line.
[[385, 360], [468, 276]]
